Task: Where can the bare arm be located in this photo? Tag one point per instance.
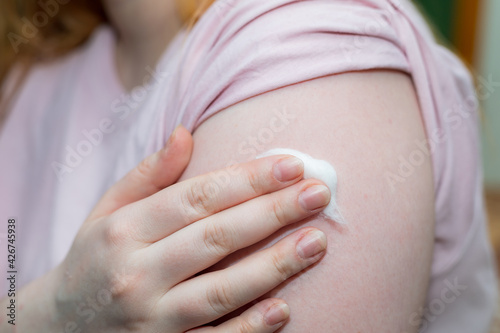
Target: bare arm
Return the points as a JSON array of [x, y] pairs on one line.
[[134, 264], [376, 271]]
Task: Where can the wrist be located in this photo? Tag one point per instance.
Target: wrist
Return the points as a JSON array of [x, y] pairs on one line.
[[37, 310]]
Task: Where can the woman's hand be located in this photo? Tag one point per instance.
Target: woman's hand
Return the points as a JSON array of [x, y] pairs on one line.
[[134, 265]]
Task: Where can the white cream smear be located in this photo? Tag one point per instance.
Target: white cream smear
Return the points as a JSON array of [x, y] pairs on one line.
[[318, 169]]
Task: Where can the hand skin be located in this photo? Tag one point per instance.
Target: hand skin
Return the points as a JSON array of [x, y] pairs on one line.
[[134, 265]]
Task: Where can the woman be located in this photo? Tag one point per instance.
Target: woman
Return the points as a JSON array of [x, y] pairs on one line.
[[361, 84]]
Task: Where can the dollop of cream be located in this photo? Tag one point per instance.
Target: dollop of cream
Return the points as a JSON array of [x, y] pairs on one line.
[[318, 169]]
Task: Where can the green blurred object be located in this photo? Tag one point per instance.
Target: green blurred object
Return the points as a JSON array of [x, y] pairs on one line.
[[441, 13]]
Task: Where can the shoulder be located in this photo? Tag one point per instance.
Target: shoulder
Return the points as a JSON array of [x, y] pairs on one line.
[[232, 55], [363, 124]]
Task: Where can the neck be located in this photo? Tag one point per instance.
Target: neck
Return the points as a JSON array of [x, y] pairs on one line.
[[145, 28]]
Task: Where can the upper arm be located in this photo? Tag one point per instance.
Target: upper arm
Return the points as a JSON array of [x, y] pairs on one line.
[[376, 271]]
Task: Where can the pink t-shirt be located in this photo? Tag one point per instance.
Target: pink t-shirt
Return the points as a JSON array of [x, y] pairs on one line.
[[73, 131]]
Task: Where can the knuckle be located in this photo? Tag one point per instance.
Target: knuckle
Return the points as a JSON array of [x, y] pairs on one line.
[[282, 268], [278, 211], [218, 239], [143, 170], [123, 291], [116, 233], [245, 326], [255, 182], [198, 199], [183, 311], [219, 298], [122, 284]]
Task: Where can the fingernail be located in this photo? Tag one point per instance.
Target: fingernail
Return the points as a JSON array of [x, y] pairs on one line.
[[278, 313], [315, 197], [311, 244], [288, 169]]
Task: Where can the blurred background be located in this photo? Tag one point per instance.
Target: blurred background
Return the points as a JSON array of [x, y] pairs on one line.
[[472, 29]]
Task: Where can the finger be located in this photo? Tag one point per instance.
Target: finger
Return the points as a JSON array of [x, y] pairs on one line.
[[209, 296], [152, 175], [189, 201], [265, 317], [219, 235]]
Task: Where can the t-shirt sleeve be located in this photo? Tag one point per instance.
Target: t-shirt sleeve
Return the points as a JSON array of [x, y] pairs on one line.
[[243, 48], [240, 49]]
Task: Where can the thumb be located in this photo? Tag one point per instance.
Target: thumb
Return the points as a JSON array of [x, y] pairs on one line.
[[153, 174]]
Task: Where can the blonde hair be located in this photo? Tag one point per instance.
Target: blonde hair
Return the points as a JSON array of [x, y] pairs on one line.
[[33, 30]]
